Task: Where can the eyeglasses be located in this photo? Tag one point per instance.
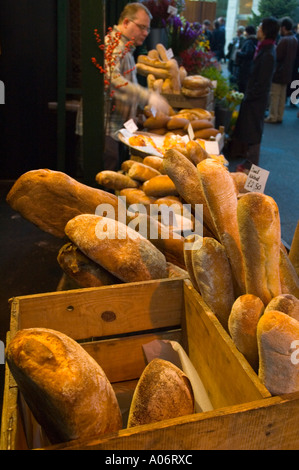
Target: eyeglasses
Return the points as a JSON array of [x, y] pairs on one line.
[[142, 27]]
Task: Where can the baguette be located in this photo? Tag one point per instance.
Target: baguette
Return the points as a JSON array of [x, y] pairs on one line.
[[213, 276], [176, 122], [145, 59], [206, 133], [220, 194], [84, 271], [294, 250], [49, 199], [114, 180], [162, 52], [141, 172], [289, 279], [242, 325], [277, 337], [145, 70], [66, 390], [198, 124], [163, 392], [259, 225], [285, 303], [160, 186], [117, 248], [156, 122]]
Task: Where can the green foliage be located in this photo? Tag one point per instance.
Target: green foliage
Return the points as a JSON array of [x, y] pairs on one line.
[[223, 87], [276, 8]]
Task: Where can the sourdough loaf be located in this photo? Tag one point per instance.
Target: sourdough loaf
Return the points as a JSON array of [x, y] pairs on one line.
[[119, 249], [49, 199], [163, 391], [66, 390]]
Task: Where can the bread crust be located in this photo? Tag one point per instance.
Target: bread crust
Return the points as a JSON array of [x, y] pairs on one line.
[[66, 390]]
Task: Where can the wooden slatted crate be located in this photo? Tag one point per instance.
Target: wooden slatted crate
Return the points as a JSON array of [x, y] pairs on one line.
[[113, 323]]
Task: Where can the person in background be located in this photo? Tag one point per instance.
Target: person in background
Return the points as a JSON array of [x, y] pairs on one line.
[[234, 46], [285, 56], [295, 74], [218, 41], [206, 27], [244, 57], [134, 24], [248, 132]]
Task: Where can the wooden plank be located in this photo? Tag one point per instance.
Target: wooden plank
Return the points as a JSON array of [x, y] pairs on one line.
[[103, 311], [123, 359], [227, 376], [268, 424]]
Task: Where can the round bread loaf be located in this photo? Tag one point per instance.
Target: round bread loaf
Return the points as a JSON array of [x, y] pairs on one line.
[[119, 249], [64, 387], [196, 81], [163, 391], [242, 324], [277, 337], [286, 303]]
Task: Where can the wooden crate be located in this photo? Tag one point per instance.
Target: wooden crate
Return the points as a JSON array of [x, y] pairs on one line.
[[113, 323]]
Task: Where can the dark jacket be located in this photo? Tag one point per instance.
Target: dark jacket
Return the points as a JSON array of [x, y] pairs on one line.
[[250, 122], [244, 61], [218, 43], [285, 55]]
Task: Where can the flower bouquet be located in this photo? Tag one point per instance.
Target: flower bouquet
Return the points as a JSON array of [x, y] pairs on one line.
[[159, 10]]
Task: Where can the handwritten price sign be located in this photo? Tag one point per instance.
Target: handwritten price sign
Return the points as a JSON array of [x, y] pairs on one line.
[[257, 179]]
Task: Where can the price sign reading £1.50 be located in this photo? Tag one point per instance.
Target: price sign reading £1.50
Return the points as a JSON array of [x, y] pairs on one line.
[[257, 179]]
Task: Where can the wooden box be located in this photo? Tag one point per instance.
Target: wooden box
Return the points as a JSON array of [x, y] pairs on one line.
[[113, 323]]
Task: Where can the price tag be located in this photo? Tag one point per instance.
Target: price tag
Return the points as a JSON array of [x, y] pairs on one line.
[[130, 126], [185, 138], [257, 179], [169, 54], [172, 10], [190, 132]]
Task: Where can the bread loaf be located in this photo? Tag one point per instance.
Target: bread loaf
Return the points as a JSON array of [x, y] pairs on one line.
[[156, 122], [195, 93], [194, 82], [289, 279], [285, 303], [114, 180], [66, 390], [242, 324], [195, 152], [206, 133], [185, 177], [176, 122], [126, 165], [220, 194], [84, 271], [259, 225], [162, 52], [141, 172], [277, 336], [163, 392], [154, 162], [158, 72], [136, 196], [160, 186], [213, 276], [116, 247], [240, 179], [49, 199], [198, 124], [294, 250]]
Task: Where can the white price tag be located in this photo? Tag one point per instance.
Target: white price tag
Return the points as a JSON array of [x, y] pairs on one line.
[[172, 10], [185, 138], [257, 179], [130, 126], [190, 132], [169, 54]]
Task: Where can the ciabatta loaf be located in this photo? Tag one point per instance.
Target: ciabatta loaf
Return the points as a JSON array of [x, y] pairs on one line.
[[259, 226], [163, 391], [119, 249], [49, 199], [242, 324], [220, 194], [66, 390], [277, 336]]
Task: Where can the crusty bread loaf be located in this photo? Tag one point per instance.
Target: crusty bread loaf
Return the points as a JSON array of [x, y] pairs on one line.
[[163, 391], [213, 276], [242, 324], [141, 172], [285, 303], [49, 199], [160, 186], [176, 122], [185, 177], [154, 162], [198, 124], [206, 133], [136, 196], [66, 390], [119, 249], [259, 225], [277, 336], [220, 194], [289, 279], [126, 165], [188, 246], [160, 120], [194, 82], [240, 179], [294, 250], [82, 269], [195, 152], [115, 180]]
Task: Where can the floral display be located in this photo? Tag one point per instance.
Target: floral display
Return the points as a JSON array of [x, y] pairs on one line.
[[159, 10], [182, 34]]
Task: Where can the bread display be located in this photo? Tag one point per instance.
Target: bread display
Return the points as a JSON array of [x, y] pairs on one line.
[[277, 336], [163, 391], [242, 324], [117, 248], [259, 226], [66, 390], [49, 199]]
